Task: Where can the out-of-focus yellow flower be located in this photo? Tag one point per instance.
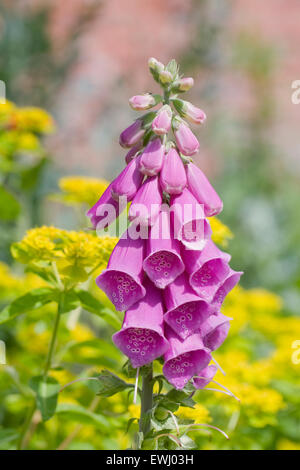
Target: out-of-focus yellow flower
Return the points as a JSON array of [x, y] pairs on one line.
[[263, 300], [34, 120], [34, 337], [134, 411], [76, 253], [28, 142], [221, 234], [9, 284], [285, 444], [82, 190], [81, 333], [199, 413]]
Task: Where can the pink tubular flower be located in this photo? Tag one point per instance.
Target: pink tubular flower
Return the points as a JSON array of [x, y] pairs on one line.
[[188, 111], [227, 285], [105, 211], [163, 263], [151, 159], [207, 269], [131, 154], [131, 136], [184, 358], [143, 102], [190, 225], [146, 205], [186, 311], [141, 337], [185, 139], [172, 176], [203, 191], [128, 181], [122, 279], [204, 377], [214, 331], [161, 124]]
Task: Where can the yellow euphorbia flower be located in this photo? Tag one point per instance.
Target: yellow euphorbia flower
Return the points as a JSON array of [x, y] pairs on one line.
[[82, 190]]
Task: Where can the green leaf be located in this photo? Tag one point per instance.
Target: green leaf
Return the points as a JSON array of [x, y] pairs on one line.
[[93, 305], [180, 397], [70, 301], [30, 176], [81, 415], [28, 302], [172, 67], [47, 390], [109, 384], [9, 206], [95, 351]]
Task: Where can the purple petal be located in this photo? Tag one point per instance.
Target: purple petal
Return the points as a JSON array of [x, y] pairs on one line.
[[208, 374], [172, 176], [184, 358], [163, 263], [214, 331], [186, 310], [128, 181], [141, 337], [203, 191], [190, 225], [146, 205], [207, 268], [122, 280], [228, 284], [151, 159], [105, 211]]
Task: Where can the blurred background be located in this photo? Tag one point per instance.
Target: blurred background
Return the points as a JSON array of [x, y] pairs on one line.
[[81, 60]]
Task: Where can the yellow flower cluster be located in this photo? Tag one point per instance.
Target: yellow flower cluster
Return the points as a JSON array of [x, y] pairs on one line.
[[75, 253], [82, 190], [20, 129], [221, 234]]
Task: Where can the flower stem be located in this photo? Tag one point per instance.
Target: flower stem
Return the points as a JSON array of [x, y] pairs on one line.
[[27, 424], [54, 335], [146, 402]]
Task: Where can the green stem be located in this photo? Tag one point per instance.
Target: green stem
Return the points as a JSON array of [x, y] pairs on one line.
[[28, 421], [146, 402], [54, 335]]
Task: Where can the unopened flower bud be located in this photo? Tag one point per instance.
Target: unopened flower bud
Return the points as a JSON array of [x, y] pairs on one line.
[[143, 102], [132, 134], [189, 111], [186, 141], [161, 124], [155, 67], [165, 77], [182, 85]]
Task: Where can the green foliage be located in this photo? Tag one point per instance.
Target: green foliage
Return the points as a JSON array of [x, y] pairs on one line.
[[46, 389]]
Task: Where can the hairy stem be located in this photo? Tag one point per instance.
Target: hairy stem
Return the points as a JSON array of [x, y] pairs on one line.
[[146, 402]]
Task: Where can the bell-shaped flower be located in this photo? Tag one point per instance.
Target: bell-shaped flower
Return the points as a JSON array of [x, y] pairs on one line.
[[203, 191], [207, 269], [105, 211], [184, 358], [186, 311], [141, 337], [204, 377], [146, 204], [172, 176], [132, 153], [185, 139], [128, 181], [190, 225], [226, 286], [122, 279], [151, 160], [132, 134], [163, 262], [161, 124], [214, 331]]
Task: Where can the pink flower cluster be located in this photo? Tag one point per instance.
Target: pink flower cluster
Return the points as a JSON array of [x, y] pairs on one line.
[[171, 284]]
